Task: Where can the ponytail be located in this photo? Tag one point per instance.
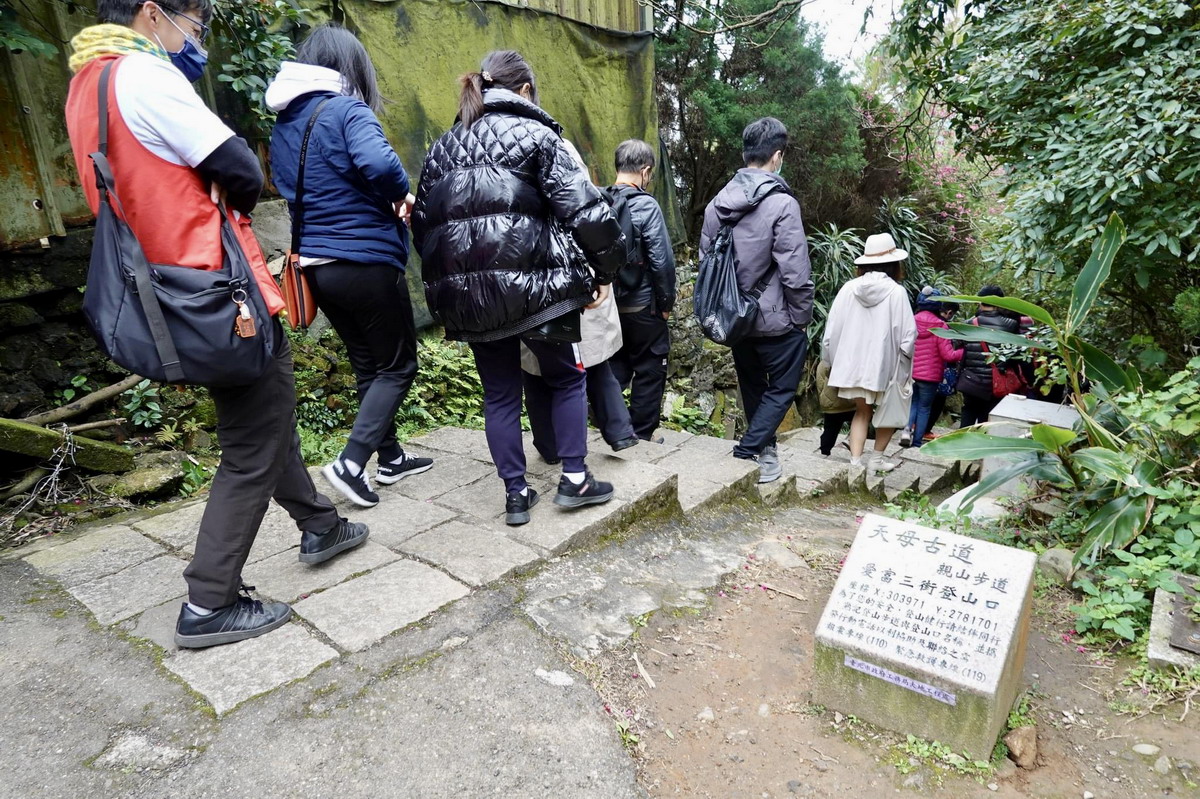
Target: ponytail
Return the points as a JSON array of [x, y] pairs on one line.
[[470, 101], [503, 68]]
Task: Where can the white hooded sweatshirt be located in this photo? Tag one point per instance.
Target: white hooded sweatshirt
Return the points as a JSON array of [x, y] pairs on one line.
[[870, 324], [296, 80]]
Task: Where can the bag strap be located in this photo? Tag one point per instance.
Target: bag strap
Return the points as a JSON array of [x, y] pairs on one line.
[[298, 203], [163, 343]]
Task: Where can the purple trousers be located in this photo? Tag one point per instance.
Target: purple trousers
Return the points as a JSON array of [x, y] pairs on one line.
[[499, 367]]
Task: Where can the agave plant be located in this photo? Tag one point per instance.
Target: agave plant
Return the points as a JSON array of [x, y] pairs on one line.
[[1100, 464]]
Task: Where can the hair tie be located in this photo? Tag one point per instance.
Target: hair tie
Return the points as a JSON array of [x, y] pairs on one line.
[[487, 76]]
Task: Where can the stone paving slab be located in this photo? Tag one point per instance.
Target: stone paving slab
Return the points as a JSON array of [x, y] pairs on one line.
[[119, 596], [448, 473], [829, 473], [358, 613], [555, 530], [673, 438], [632, 479], [398, 518], [474, 554], [93, 555], [644, 452], [457, 440], [176, 528], [484, 499], [707, 476], [709, 444], [228, 675], [285, 578]]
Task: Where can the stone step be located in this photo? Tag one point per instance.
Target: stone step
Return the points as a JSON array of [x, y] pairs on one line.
[[434, 538]]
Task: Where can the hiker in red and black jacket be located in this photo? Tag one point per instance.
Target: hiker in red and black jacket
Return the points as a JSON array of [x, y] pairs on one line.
[[172, 160]]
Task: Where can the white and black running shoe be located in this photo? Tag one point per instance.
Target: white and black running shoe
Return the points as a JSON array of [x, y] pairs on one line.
[[355, 487]]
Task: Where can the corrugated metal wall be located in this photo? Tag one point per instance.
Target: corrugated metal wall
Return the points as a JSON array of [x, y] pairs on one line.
[[39, 189]]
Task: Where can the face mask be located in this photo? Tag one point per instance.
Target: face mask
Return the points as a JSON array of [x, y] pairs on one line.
[[779, 169], [191, 58]]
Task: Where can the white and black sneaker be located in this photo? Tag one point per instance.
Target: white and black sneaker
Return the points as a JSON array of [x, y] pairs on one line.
[[407, 466], [590, 492], [355, 487]]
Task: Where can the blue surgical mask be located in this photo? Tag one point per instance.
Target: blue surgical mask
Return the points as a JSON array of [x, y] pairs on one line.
[[191, 58]]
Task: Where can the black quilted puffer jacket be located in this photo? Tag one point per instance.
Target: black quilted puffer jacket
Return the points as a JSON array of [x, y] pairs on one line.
[[492, 263]]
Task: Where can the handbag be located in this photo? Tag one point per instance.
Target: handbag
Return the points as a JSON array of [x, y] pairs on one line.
[[893, 409], [565, 329], [299, 305], [949, 382], [1005, 380], [172, 324]]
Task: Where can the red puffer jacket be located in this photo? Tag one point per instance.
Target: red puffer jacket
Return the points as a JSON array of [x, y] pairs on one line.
[[932, 352]]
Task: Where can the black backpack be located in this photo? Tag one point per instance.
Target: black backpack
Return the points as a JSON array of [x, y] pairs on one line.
[[630, 276], [725, 312]]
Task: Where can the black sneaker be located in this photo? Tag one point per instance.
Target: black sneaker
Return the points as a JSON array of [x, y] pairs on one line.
[[320, 547], [590, 492], [354, 486], [245, 618], [516, 507], [389, 473], [625, 443]]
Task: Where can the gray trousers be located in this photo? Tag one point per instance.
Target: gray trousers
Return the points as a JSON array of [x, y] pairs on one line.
[[260, 460]]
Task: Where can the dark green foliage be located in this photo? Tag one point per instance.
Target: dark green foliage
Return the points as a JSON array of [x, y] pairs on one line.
[[1091, 107], [710, 88]]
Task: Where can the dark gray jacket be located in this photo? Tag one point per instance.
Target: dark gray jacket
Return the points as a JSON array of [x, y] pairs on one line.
[[657, 287], [769, 237]]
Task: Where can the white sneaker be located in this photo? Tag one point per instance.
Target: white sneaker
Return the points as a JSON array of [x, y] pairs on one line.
[[906, 437], [880, 464]]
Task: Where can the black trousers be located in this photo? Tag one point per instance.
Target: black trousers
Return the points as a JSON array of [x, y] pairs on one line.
[[768, 371], [604, 399], [641, 366], [369, 307], [976, 409], [832, 428], [260, 460]]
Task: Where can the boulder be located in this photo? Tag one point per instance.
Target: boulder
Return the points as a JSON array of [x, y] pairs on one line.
[[1055, 564], [1022, 746]]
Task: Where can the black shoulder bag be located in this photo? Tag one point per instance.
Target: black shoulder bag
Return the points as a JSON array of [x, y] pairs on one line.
[[172, 324]]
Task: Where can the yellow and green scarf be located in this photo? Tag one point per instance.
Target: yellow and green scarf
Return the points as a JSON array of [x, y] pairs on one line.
[[97, 40]]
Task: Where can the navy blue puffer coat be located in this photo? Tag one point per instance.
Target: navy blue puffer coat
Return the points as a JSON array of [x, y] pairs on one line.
[[351, 178], [493, 263]]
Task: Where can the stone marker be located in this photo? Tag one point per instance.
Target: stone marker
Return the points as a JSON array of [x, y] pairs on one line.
[[925, 633]]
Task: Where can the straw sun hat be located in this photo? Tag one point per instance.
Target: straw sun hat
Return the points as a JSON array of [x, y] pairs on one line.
[[881, 249]]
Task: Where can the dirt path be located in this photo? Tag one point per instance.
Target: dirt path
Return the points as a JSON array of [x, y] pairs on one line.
[[747, 658]]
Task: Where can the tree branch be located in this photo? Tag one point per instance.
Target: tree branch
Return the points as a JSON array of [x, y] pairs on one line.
[[83, 403]]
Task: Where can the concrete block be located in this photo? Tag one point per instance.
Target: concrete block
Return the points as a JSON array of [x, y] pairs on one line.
[[359, 613], [472, 553], [116, 597], [94, 554], [285, 578], [925, 633], [778, 491], [228, 675], [398, 518], [1159, 652]]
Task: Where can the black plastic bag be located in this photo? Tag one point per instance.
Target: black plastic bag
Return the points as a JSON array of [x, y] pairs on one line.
[[725, 312]]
